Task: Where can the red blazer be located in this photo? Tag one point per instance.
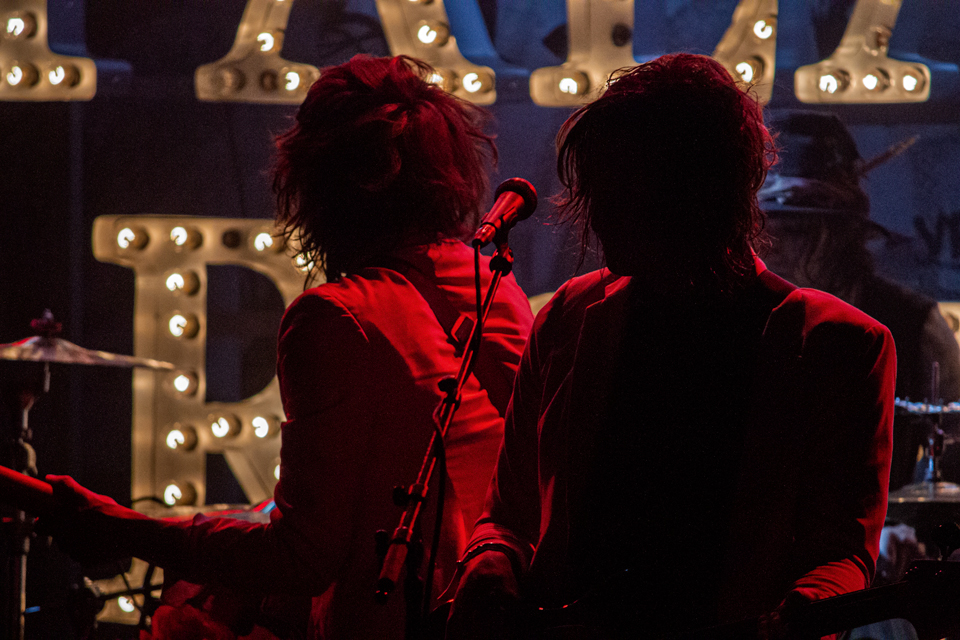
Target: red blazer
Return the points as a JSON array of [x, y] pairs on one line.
[[359, 361], [811, 498]]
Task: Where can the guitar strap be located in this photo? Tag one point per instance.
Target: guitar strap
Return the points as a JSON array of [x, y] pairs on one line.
[[458, 328]]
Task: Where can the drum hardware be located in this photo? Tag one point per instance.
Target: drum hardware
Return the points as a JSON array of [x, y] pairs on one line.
[[933, 488], [43, 348]]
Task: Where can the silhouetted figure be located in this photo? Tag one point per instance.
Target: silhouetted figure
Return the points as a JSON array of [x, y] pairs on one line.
[[379, 177], [691, 438], [819, 217]]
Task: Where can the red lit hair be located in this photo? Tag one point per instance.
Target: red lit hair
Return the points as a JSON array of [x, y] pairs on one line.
[[378, 158], [679, 136]]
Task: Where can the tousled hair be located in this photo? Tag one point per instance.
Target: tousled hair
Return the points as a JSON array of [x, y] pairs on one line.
[[379, 157], [677, 143]]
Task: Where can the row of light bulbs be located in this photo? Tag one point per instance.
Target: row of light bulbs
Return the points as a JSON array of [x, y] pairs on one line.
[[837, 81], [22, 26], [296, 78], [185, 325]]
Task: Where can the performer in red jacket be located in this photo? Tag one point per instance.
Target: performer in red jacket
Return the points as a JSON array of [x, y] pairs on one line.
[[691, 439], [378, 178]]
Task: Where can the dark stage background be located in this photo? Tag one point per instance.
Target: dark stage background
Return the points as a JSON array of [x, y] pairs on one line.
[[146, 145]]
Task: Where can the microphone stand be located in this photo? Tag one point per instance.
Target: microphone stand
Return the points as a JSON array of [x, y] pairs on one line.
[[402, 542]]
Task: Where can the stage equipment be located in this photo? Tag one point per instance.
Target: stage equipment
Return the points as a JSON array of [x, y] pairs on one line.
[[601, 41], [859, 71], [927, 505], [404, 546], [253, 70], [15, 485], [29, 70], [600, 37], [748, 49], [173, 425], [421, 29]]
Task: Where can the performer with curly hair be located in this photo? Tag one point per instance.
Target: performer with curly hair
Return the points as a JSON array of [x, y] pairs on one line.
[[378, 179]]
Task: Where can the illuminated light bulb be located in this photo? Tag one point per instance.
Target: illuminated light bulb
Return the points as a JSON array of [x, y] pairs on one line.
[[264, 426], [276, 472], [16, 27], [20, 25], [178, 494], [303, 262], [179, 236], [185, 238], [176, 439], [435, 34], [569, 85], [177, 325], [912, 81], [572, 83], [444, 78], [220, 428], [477, 82], [66, 75], [183, 326], [22, 75], [266, 40], [427, 35], [763, 29], [171, 494], [224, 426], [833, 82], [132, 238], [871, 81], [182, 282], [183, 438], [183, 382], [291, 80], [126, 604], [750, 70], [263, 241]]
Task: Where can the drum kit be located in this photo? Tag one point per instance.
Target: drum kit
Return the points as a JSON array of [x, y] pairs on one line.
[[44, 348], [932, 505]]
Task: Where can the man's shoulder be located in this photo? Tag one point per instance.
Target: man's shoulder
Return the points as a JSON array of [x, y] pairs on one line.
[[822, 308], [575, 295]]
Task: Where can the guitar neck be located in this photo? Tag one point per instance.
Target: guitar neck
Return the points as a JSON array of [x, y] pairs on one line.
[[25, 493]]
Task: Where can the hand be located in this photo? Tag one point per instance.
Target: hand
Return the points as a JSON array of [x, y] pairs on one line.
[[84, 524], [899, 549], [486, 601], [776, 624]]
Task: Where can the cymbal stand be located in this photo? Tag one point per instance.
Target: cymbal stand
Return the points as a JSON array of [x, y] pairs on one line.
[[935, 439], [24, 460]]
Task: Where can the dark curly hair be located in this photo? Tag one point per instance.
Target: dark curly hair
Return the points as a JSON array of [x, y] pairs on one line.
[[379, 158], [677, 147]]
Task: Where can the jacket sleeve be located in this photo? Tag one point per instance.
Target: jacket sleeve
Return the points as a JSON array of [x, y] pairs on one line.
[[847, 461], [513, 510], [322, 355]]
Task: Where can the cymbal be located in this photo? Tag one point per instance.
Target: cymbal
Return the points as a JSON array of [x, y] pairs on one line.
[[926, 492], [925, 503], [925, 408], [51, 349]]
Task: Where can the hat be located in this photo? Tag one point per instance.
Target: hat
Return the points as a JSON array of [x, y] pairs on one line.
[[820, 168]]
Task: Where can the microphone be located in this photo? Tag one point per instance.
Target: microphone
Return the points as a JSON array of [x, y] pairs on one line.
[[516, 200]]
